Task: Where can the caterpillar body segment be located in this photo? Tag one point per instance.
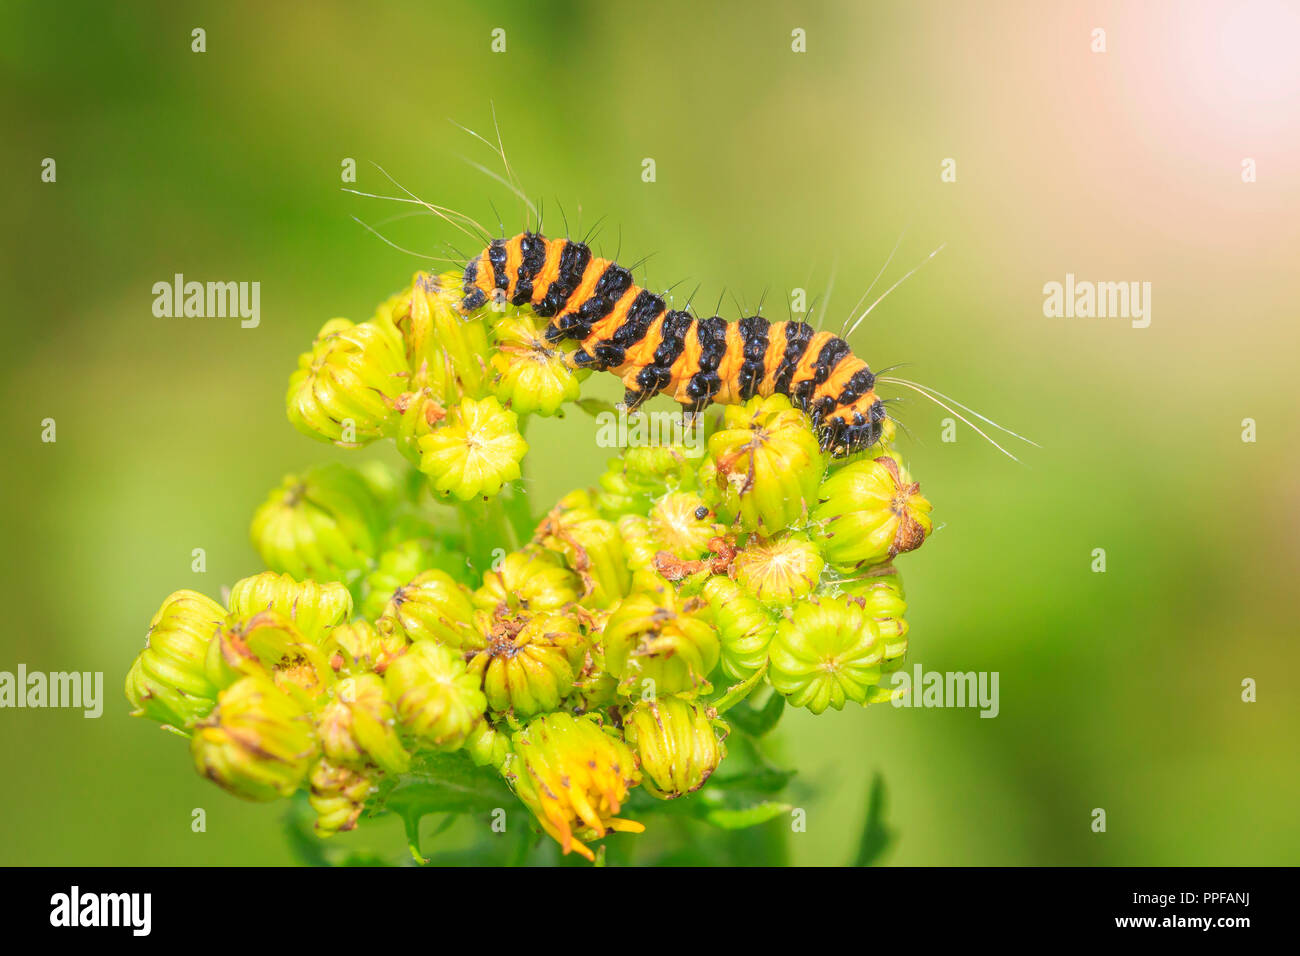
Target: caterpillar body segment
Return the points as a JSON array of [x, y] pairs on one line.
[[627, 330]]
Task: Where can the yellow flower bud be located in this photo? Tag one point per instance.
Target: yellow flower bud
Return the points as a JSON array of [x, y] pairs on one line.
[[432, 607], [257, 743], [324, 525], [528, 580], [435, 698], [268, 644], [475, 451], [313, 608], [763, 466], [881, 596], [345, 388], [675, 743], [359, 648], [869, 512], [826, 653], [682, 524], [531, 376], [168, 681], [358, 726], [745, 626], [527, 663], [592, 547], [338, 795], [658, 638]]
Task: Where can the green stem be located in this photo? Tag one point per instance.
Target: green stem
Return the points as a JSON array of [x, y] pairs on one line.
[[517, 508], [520, 515], [485, 530]]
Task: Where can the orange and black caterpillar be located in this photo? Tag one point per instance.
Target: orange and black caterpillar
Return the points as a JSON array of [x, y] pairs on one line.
[[624, 329]]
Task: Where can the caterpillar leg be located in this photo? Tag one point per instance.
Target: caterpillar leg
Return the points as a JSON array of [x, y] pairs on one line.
[[691, 418], [633, 399]]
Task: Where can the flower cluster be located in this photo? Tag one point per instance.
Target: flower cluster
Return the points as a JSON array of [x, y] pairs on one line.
[[584, 655]]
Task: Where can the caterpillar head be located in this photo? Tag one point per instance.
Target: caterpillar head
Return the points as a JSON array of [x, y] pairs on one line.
[[853, 426]]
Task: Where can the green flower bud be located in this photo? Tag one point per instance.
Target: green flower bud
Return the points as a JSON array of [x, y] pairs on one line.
[[870, 511], [475, 451], [530, 375], [338, 795], [432, 606], [574, 777], [313, 608], [826, 653], [359, 648], [269, 645], [592, 547], [594, 687], [345, 388], [487, 745], [763, 466], [632, 481], [675, 744], [656, 637], [745, 626], [398, 566], [436, 699], [257, 743], [527, 664], [881, 596], [321, 526], [168, 681], [639, 544], [780, 570], [528, 580], [358, 726], [616, 496], [660, 468], [682, 524], [421, 412], [443, 348]]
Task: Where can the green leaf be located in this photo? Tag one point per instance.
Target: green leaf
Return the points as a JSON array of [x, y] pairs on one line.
[[727, 818], [759, 779], [876, 837], [442, 783], [757, 721]]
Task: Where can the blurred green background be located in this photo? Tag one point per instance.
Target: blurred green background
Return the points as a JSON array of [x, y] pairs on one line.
[[774, 168]]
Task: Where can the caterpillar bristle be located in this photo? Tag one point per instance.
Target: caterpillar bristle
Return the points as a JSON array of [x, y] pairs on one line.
[[622, 328]]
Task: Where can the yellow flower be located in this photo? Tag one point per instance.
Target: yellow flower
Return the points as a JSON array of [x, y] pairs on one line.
[[574, 777], [778, 571]]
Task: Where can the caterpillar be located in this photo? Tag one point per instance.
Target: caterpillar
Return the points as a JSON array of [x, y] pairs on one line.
[[629, 331]]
